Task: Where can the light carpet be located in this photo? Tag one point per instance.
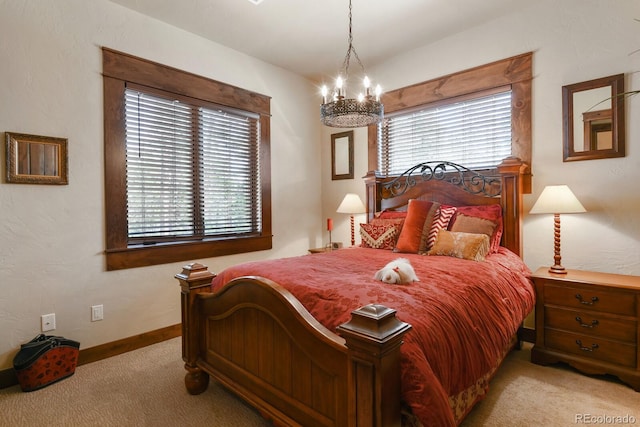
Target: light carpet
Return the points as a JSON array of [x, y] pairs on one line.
[[146, 388]]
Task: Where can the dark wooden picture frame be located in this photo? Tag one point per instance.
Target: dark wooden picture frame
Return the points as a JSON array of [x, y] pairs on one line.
[[35, 159], [603, 117], [342, 155]]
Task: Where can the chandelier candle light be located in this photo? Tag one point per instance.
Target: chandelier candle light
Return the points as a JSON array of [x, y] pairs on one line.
[[343, 112], [557, 199]]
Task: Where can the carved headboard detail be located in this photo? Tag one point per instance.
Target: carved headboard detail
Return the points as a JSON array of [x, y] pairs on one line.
[[456, 185]]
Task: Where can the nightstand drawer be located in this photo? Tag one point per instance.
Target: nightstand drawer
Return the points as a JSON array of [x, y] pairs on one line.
[[591, 298], [592, 347], [591, 323]]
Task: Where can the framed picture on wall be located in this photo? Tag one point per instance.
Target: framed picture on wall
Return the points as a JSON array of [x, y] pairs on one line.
[[342, 155], [34, 159]]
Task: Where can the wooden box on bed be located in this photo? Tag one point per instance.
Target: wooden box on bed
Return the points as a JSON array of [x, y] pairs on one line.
[[257, 339]]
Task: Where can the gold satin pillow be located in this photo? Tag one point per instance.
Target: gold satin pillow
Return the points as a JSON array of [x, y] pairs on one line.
[[469, 246]]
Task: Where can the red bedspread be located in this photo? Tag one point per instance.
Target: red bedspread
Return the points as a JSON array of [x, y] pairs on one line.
[[464, 313]]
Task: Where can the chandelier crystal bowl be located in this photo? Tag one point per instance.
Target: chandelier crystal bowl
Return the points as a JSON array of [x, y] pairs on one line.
[[351, 113]]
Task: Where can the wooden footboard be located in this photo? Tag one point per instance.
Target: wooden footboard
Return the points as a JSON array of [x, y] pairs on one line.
[[256, 339]]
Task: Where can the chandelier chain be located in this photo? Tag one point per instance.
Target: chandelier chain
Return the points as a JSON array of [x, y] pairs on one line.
[[350, 48]]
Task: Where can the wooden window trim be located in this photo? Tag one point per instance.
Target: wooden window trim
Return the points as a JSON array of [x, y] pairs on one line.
[[515, 72], [120, 68]]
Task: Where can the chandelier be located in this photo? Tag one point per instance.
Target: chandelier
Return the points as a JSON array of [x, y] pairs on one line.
[[345, 112]]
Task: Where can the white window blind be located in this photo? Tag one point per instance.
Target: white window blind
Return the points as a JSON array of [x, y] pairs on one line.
[[474, 132], [192, 171], [230, 173]]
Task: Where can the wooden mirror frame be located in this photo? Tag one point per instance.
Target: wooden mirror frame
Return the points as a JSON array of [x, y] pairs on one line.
[[591, 116], [34, 159], [341, 161]]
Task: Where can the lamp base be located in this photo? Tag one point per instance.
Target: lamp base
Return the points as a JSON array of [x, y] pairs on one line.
[[353, 236], [557, 269]]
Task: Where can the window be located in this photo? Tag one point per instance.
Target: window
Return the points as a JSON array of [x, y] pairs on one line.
[[186, 168], [474, 132], [192, 171], [456, 117]]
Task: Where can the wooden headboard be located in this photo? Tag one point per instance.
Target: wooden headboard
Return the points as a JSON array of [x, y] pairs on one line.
[[455, 185]]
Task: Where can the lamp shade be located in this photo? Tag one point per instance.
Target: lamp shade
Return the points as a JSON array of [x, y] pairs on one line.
[[352, 204], [557, 199]]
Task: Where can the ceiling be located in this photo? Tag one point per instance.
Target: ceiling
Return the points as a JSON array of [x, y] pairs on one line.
[[310, 37]]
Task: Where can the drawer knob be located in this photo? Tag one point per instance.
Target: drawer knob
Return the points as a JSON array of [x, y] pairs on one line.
[[593, 324], [583, 348], [593, 300]]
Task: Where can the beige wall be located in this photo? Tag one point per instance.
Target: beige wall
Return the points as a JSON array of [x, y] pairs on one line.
[[52, 237], [572, 41]]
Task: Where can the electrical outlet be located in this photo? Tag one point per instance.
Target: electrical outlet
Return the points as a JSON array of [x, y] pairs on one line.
[[97, 312], [48, 322]]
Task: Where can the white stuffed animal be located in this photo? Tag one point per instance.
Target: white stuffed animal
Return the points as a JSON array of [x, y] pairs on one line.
[[397, 271]]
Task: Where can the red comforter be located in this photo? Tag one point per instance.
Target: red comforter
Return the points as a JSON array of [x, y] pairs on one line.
[[464, 313]]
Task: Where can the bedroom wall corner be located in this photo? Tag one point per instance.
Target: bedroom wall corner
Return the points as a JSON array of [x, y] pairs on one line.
[[334, 191]]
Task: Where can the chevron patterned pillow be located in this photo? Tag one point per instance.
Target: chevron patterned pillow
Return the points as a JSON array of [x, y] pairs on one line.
[[440, 222]]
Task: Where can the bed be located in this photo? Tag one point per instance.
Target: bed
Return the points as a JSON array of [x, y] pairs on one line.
[[314, 340]]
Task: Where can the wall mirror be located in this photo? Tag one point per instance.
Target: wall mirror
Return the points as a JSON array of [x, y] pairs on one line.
[[342, 155], [593, 119], [33, 159]]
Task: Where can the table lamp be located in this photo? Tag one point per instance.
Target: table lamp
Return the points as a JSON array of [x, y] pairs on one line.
[[557, 199], [352, 204]]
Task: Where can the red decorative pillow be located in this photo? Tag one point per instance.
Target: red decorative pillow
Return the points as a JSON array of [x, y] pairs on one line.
[[492, 213], [387, 214], [379, 236], [440, 222], [415, 231], [383, 221]]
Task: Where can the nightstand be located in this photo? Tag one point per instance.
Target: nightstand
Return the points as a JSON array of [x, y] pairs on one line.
[[320, 250], [590, 321]]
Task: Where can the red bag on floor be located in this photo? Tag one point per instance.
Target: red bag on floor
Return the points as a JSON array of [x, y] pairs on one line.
[[45, 360]]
